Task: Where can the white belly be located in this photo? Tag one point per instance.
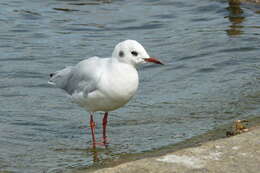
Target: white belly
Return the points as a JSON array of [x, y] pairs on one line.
[[96, 101]]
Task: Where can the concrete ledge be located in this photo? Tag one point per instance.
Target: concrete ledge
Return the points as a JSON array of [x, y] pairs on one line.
[[236, 154]]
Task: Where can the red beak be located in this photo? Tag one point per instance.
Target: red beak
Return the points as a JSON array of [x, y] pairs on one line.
[[154, 60]]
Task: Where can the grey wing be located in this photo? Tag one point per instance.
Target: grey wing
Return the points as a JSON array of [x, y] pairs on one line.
[[82, 78], [80, 83]]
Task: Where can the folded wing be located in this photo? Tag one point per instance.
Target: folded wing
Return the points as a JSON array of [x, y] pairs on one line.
[[80, 79]]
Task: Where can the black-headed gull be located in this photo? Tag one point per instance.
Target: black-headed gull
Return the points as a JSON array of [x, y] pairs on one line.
[[104, 84]]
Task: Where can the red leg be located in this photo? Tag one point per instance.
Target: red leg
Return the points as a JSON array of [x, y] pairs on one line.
[[104, 128], [92, 126]]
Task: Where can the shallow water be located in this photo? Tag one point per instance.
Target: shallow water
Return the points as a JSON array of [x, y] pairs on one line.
[[211, 76]]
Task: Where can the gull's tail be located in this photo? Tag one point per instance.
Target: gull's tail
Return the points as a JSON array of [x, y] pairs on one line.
[[61, 77]]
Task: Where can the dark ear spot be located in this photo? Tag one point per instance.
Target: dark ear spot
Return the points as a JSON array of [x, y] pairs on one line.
[[121, 54]]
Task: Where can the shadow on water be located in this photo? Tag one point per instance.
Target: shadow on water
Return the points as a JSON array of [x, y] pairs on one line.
[[235, 17], [94, 152], [88, 2]]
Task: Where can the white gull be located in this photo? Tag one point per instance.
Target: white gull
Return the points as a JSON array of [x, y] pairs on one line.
[[104, 84]]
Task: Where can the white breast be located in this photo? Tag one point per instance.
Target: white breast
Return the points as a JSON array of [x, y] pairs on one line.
[[116, 87]]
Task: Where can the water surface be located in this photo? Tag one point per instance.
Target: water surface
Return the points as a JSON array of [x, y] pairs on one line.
[[211, 76]]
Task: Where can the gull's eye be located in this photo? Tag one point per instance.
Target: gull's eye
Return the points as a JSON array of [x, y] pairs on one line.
[[134, 53]]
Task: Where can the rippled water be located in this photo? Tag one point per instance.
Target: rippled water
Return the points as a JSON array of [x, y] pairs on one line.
[[211, 49]]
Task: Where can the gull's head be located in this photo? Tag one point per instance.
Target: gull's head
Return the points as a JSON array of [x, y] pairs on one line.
[[132, 52]]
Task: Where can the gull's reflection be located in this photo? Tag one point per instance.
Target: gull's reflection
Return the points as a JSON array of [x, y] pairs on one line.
[[96, 151], [95, 155]]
